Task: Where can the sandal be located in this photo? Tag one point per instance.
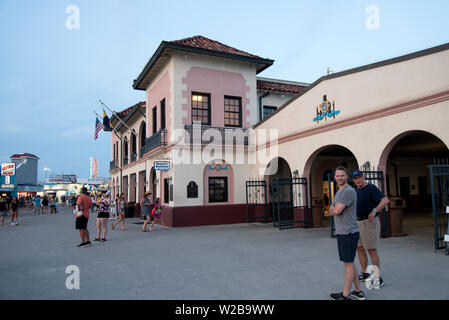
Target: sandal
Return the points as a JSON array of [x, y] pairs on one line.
[[96, 239], [102, 240]]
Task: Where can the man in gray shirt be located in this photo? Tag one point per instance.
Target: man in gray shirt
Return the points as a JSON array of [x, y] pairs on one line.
[[344, 211]]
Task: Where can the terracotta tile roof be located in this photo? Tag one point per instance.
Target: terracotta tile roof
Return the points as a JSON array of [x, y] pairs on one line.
[[15, 156], [126, 111], [205, 43], [280, 87]]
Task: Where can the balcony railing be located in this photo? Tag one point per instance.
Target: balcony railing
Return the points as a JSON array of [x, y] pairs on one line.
[[156, 140], [133, 156], [113, 164], [220, 135]]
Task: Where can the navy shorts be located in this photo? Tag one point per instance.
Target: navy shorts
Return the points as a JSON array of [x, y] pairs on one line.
[[347, 246]]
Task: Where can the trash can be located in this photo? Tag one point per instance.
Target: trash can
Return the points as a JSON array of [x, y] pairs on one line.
[[129, 210], [397, 206], [317, 216]]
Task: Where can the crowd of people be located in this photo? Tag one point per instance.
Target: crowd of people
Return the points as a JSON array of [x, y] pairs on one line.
[[85, 203]]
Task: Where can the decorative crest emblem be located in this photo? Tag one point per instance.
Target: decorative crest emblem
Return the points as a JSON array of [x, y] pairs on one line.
[[325, 110]]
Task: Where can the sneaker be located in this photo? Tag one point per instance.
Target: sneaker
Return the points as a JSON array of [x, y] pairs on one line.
[[17, 223], [87, 244], [13, 224], [378, 283], [339, 296], [358, 295], [81, 244], [363, 277]]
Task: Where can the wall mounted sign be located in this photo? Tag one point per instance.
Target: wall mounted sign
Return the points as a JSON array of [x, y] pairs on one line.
[[162, 165], [325, 110], [218, 167], [8, 169], [192, 190], [7, 186]]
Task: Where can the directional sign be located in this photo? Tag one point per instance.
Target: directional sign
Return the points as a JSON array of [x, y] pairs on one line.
[[162, 165]]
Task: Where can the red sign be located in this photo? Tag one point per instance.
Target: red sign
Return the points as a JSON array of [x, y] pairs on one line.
[[7, 186], [8, 169]]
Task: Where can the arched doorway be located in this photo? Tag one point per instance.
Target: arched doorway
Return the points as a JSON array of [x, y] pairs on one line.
[[125, 151], [405, 161], [276, 168], [321, 163], [153, 184], [143, 136], [133, 147]]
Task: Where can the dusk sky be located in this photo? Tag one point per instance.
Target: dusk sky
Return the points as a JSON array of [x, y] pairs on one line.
[[51, 77]]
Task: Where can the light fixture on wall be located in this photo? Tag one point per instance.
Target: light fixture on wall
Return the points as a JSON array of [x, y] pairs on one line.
[[366, 165], [296, 172]]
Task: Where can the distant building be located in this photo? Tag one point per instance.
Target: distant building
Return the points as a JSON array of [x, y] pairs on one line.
[[25, 178]]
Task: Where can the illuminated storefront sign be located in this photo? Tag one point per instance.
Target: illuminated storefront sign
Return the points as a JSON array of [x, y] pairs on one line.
[[8, 169]]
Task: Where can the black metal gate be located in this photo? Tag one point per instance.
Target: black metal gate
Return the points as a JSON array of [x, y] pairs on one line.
[[374, 177], [439, 183], [290, 203], [256, 201]]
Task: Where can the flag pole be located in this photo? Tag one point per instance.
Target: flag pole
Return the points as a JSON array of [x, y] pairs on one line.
[[115, 114]]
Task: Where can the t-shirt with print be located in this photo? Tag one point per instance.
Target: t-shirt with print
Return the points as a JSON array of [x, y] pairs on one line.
[[346, 222], [86, 203]]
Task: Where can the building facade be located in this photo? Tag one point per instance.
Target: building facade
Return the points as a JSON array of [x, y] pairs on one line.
[[206, 106]]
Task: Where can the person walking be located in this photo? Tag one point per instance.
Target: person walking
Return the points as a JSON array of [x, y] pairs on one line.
[[102, 218], [3, 210], [145, 204], [73, 201], [14, 211], [37, 205], [344, 211], [120, 212], [157, 214], [84, 203], [45, 204], [370, 202]]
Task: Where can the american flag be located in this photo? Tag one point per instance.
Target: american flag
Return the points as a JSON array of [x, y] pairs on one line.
[[98, 127]]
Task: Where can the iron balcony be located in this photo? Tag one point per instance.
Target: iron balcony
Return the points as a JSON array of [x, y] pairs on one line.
[[156, 140]]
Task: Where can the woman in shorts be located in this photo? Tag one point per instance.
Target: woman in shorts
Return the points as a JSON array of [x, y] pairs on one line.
[[157, 214], [102, 218], [15, 211], [145, 204], [120, 212]]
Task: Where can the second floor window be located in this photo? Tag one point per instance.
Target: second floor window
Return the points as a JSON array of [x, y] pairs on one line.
[[163, 114], [154, 119], [233, 111], [201, 108]]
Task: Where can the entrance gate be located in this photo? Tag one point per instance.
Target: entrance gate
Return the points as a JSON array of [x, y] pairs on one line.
[[439, 183], [374, 177], [256, 201], [290, 203]]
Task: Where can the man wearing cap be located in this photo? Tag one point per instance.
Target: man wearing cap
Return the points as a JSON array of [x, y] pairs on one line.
[[84, 203], [370, 202], [145, 204]]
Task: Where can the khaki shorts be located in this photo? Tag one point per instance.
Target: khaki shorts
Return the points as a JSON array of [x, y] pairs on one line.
[[369, 233]]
